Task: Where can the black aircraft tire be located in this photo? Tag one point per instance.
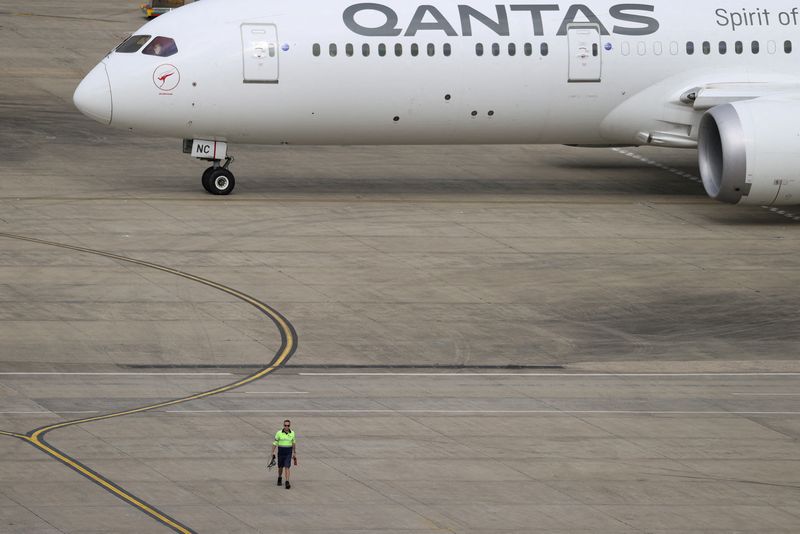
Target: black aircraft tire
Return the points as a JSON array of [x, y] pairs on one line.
[[221, 182], [206, 179]]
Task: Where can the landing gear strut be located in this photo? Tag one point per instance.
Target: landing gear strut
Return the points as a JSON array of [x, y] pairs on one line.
[[217, 179]]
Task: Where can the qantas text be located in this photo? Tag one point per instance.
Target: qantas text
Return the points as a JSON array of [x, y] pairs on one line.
[[625, 19]]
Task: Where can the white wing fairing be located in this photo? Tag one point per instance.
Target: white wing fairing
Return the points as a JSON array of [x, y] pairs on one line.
[[596, 73]]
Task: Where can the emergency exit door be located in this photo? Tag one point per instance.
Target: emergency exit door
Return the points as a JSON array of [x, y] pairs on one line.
[[585, 60], [260, 53]]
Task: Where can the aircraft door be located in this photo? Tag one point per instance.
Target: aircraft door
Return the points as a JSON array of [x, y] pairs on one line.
[[260, 53], [585, 60]]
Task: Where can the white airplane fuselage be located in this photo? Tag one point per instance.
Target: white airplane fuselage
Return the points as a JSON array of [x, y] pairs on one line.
[[599, 73]]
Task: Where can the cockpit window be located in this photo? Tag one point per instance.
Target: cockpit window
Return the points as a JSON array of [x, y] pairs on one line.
[[132, 44], [162, 47]]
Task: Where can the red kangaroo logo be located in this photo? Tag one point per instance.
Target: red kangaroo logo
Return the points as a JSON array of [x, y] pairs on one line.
[[163, 78]]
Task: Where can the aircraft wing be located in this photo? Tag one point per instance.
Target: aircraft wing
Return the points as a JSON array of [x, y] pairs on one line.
[[669, 112], [713, 94]]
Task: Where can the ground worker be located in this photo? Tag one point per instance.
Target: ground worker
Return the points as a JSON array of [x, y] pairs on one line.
[[285, 443]]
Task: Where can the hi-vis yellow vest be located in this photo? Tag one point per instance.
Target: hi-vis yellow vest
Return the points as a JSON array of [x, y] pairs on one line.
[[282, 439]]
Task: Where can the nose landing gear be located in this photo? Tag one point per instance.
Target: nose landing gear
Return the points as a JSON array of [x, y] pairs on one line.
[[218, 180]]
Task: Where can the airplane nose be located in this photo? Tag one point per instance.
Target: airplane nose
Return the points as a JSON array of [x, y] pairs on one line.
[[93, 95]]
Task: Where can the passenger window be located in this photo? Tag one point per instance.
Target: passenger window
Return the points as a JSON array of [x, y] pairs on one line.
[[723, 47], [332, 49], [706, 47], [641, 48], [544, 49], [446, 49], [398, 50], [431, 49], [365, 50], [414, 50], [739, 47], [528, 48], [755, 47], [512, 49], [787, 47], [381, 49], [132, 44], [479, 49], [689, 48], [348, 50], [315, 50], [673, 48], [495, 49], [771, 47], [658, 48], [161, 47]]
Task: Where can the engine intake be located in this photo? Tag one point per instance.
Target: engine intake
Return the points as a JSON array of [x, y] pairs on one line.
[[748, 152]]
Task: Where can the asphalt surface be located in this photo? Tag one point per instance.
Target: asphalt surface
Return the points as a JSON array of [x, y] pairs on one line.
[[467, 339]]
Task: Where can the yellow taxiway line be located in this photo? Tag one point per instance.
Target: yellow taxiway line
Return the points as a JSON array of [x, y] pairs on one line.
[[36, 437]]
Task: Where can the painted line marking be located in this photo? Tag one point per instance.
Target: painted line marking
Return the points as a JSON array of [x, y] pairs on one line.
[[54, 373], [108, 485], [673, 170], [767, 394], [37, 437], [276, 392], [565, 412], [48, 413], [560, 375]]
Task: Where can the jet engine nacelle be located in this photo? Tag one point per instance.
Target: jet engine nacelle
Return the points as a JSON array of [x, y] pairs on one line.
[[749, 152]]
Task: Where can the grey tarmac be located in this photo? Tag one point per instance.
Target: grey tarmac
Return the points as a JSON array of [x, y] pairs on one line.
[[504, 339]]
